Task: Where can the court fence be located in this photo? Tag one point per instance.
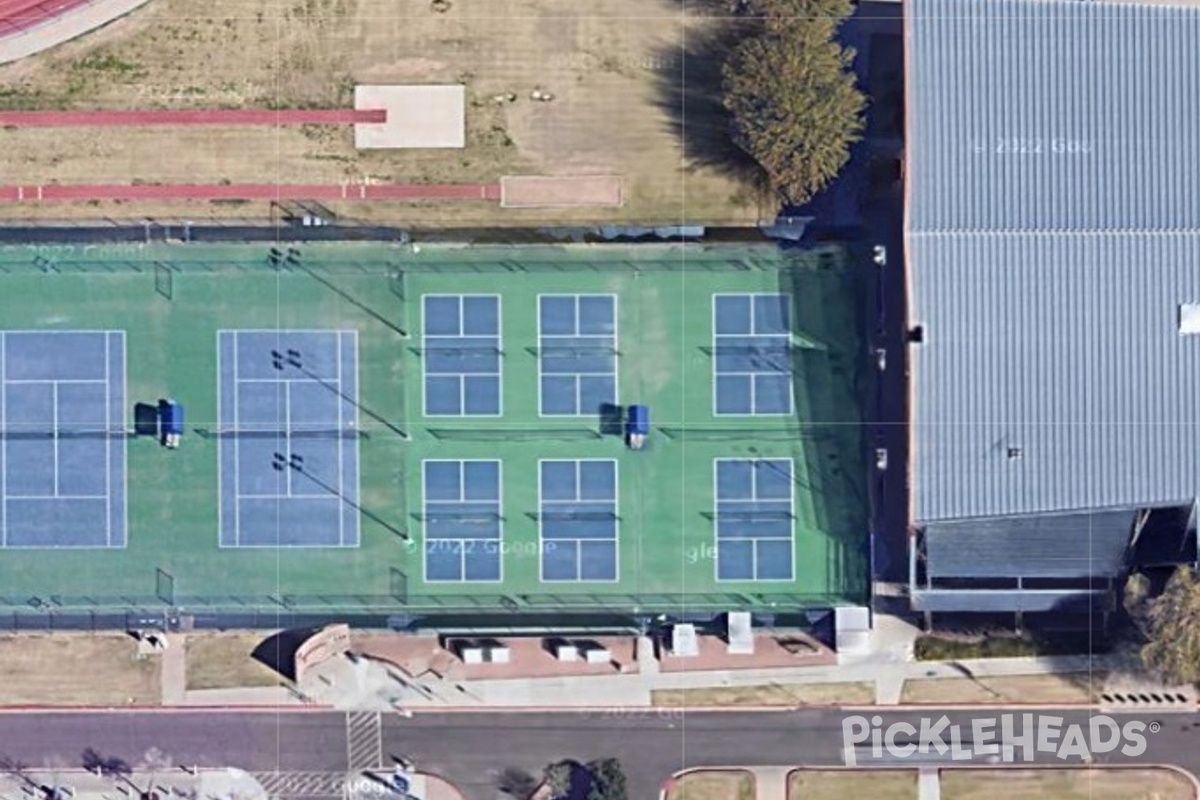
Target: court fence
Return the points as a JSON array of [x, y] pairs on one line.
[[170, 611]]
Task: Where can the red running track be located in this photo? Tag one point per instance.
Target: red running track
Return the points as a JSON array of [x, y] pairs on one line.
[[251, 191], [329, 116], [17, 15]]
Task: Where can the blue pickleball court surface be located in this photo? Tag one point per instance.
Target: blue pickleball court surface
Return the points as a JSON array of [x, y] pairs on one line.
[[752, 354], [577, 514], [288, 438], [462, 520], [755, 519], [62, 458]]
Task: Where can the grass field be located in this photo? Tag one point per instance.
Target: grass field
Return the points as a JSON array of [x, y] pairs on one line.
[[72, 669], [619, 71], [877, 784], [775, 694], [225, 661], [666, 545], [1065, 688], [713, 785], [1067, 784]]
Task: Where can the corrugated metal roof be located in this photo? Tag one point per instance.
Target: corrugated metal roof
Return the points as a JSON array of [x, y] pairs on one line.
[[1041, 546], [1066, 349], [1043, 116], [1049, 283]]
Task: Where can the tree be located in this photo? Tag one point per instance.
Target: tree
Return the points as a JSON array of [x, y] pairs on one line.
[[1173, 629], [608, 780], [796, 109], [558, 779], [781, 14]]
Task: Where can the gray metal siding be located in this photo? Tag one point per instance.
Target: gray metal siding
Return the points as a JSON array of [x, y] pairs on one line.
[[995, 601], [1002, 91], [1066, 347], [1057, 546]]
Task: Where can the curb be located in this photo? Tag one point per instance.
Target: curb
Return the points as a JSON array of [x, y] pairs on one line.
[[612, 712]]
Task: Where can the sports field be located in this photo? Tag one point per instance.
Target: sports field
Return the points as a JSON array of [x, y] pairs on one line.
[[373, 427]]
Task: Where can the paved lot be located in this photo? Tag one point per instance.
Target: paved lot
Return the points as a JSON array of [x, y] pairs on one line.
[[464, 747]]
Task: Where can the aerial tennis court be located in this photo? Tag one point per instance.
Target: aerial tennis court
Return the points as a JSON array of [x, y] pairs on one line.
[[62, 458], [370, 427]]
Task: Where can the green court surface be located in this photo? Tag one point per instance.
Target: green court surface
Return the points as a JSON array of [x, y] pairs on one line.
[[171, 300]]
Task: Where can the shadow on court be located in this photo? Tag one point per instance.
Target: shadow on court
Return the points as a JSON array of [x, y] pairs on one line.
[[831, 389], [145, 419]]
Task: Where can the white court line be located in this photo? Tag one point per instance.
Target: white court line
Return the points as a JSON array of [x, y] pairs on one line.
[[306, 379], [54, 407], [357, 448], [237, 506], [220, 445], [323, 496], [20, 381], [124, 443], [56, 497], [287, 436], [107, 448], [341, 486]]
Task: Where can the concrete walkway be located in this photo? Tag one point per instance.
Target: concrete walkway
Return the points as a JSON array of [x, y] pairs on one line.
[[771, 783], [69, 25], [929, 784], [174, 672]]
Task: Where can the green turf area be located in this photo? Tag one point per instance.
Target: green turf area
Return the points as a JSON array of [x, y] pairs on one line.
[[666, 493]]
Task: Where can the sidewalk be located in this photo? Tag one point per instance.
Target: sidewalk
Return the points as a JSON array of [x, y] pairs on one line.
[[367, 684], [119, 783]]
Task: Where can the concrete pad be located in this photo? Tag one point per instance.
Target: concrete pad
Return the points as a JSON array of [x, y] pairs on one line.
[[929, 784], [417, 117], [530, 191]]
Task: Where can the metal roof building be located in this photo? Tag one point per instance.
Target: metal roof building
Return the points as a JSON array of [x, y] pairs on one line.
[[1053, 256]]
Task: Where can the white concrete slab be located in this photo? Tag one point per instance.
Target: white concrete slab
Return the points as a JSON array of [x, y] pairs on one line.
[[418, 117]]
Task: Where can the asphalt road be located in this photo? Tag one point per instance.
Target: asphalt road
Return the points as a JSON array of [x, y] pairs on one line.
[[474, 749]]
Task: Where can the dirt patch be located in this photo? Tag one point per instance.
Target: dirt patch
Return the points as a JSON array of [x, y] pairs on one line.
[[775, 694], [1066, 784], [77, 669], [225, 661], [1078, 687], [605, 63], [713, 785], [880, 784]]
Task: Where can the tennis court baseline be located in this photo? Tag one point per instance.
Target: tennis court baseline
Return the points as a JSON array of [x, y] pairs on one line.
[[288, 438]]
